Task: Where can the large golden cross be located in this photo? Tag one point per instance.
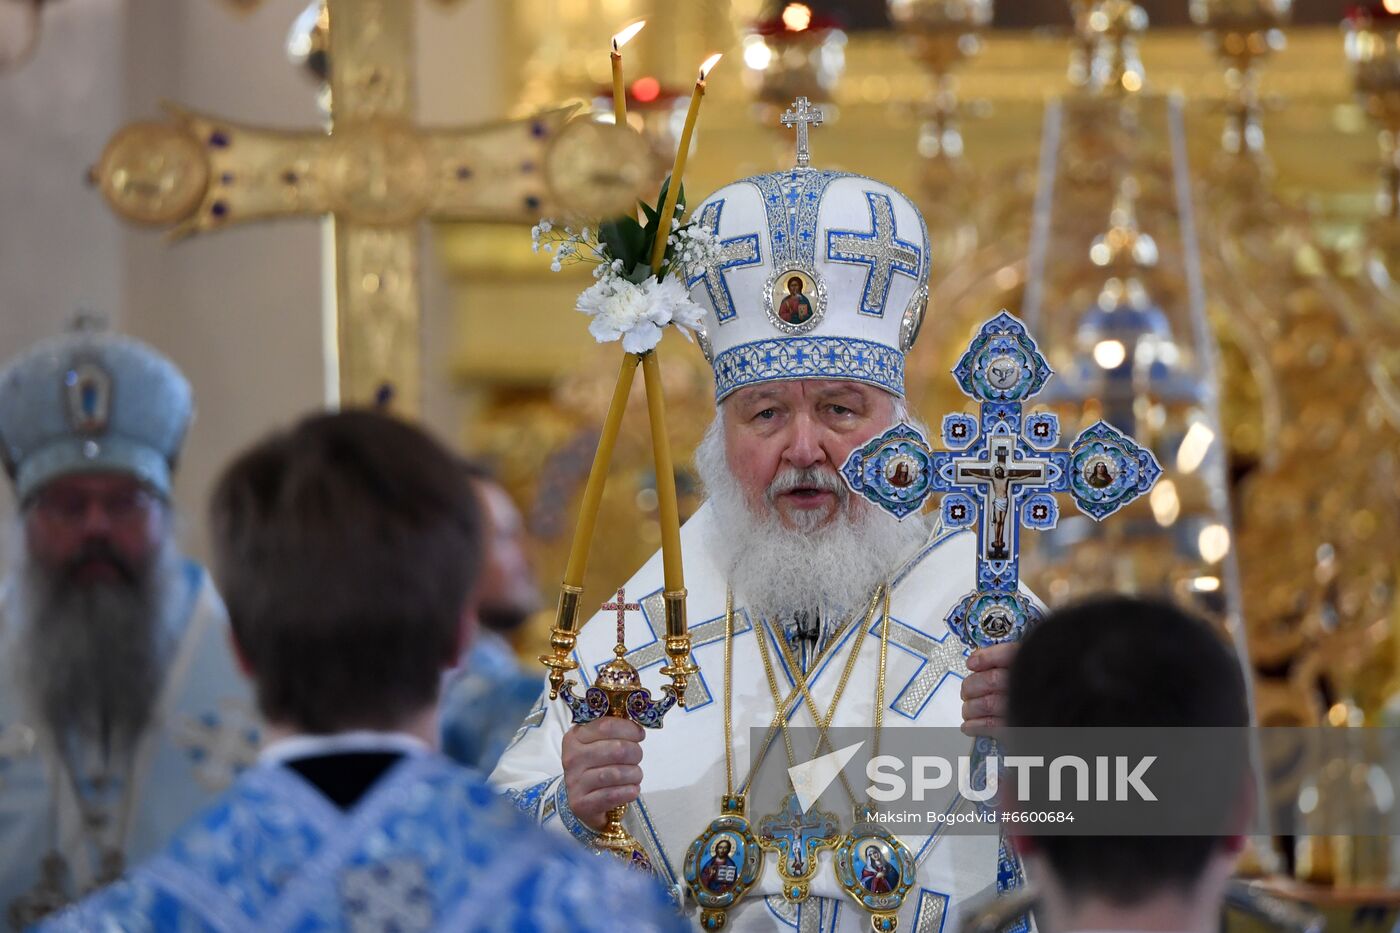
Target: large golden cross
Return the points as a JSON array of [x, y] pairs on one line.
[[377, 175]]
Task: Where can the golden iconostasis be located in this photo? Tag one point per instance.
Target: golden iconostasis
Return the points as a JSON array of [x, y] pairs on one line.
[[1238, 147]]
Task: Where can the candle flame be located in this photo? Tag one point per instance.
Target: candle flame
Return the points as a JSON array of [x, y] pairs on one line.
[[1392, 6], [709, 64], [625, 36], [797, 16]]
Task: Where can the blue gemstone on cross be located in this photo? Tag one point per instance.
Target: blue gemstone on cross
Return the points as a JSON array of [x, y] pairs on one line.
[[880, 249], [734, 253]]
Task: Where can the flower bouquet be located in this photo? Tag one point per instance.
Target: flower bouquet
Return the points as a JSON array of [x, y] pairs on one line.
[[628, 302]]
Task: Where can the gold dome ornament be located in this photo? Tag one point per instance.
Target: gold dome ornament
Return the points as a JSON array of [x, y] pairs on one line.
[[152, 173], [596, 169], [618, 692]]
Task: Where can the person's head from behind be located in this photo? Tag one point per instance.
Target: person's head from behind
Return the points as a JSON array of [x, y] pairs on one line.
[[1119, 661], [346, 549]]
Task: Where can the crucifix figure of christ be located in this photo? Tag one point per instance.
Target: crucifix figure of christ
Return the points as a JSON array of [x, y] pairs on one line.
[[376, 175], [999, 480], [999, 473], [796, 836]]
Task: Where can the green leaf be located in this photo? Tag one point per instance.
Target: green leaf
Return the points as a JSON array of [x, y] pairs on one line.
[[648, 244], [625, 240], [653, 215]]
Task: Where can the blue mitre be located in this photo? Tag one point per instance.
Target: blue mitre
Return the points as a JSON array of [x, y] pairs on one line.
[[91, 401], [819, 275]]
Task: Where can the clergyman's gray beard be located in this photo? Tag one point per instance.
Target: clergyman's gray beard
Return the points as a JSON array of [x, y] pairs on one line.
[[91, 659], [776, 570]]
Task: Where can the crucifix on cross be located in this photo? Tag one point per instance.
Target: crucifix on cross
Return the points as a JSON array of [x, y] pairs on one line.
[[998, 478], [999, 474], [376, 174], [802, 115]]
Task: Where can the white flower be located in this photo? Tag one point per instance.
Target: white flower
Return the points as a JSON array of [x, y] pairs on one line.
[[620, 312], [546, 225], [554, 266], [637, 314], [670, 296]]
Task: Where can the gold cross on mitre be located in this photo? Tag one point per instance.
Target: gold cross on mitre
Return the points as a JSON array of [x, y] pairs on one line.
[[377, 175], [802, 115]]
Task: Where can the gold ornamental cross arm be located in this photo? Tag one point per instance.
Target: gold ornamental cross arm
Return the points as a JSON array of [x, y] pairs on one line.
[[377, 175]]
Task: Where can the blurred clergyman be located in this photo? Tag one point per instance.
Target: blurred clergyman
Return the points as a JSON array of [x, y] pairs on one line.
[[347, 548], [484, 704], [1129, 662], [122, 711]]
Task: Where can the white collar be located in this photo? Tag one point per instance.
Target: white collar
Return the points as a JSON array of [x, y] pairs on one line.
[[294, 747]]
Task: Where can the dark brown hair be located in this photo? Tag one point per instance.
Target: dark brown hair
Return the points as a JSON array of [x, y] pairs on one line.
[[346, 549], [1126, 661]]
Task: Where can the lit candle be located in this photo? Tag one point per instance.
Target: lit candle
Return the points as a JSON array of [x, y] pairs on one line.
[[673, 190], [598, 474], [619, 88], [666, 508]]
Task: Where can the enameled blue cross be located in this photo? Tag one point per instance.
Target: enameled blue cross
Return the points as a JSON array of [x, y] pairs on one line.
[[880, 250], [999, 473], [734, 253]]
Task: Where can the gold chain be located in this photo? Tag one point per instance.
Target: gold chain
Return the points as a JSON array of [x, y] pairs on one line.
[[773, 726], [824, 724], [728, 694], [880, 684], [801, 677], [784, 707], [773, 690]]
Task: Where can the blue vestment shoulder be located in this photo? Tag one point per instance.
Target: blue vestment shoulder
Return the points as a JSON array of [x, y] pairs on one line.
[[432, 847]]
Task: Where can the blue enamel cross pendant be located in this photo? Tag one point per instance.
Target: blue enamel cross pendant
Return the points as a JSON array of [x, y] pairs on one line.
[[999, 473]]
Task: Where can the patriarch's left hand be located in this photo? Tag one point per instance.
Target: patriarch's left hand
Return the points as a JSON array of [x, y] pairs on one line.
[[984, 688]]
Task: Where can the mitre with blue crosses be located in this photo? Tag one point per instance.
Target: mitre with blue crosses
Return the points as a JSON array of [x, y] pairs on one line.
[[818, 275], [89, 401]]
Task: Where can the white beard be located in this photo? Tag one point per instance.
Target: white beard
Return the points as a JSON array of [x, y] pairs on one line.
[[91, 659], [778, 570]]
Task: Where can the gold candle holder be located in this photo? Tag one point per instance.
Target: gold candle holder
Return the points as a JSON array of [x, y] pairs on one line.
[[561, 640], [618, 693], [677, 644]]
